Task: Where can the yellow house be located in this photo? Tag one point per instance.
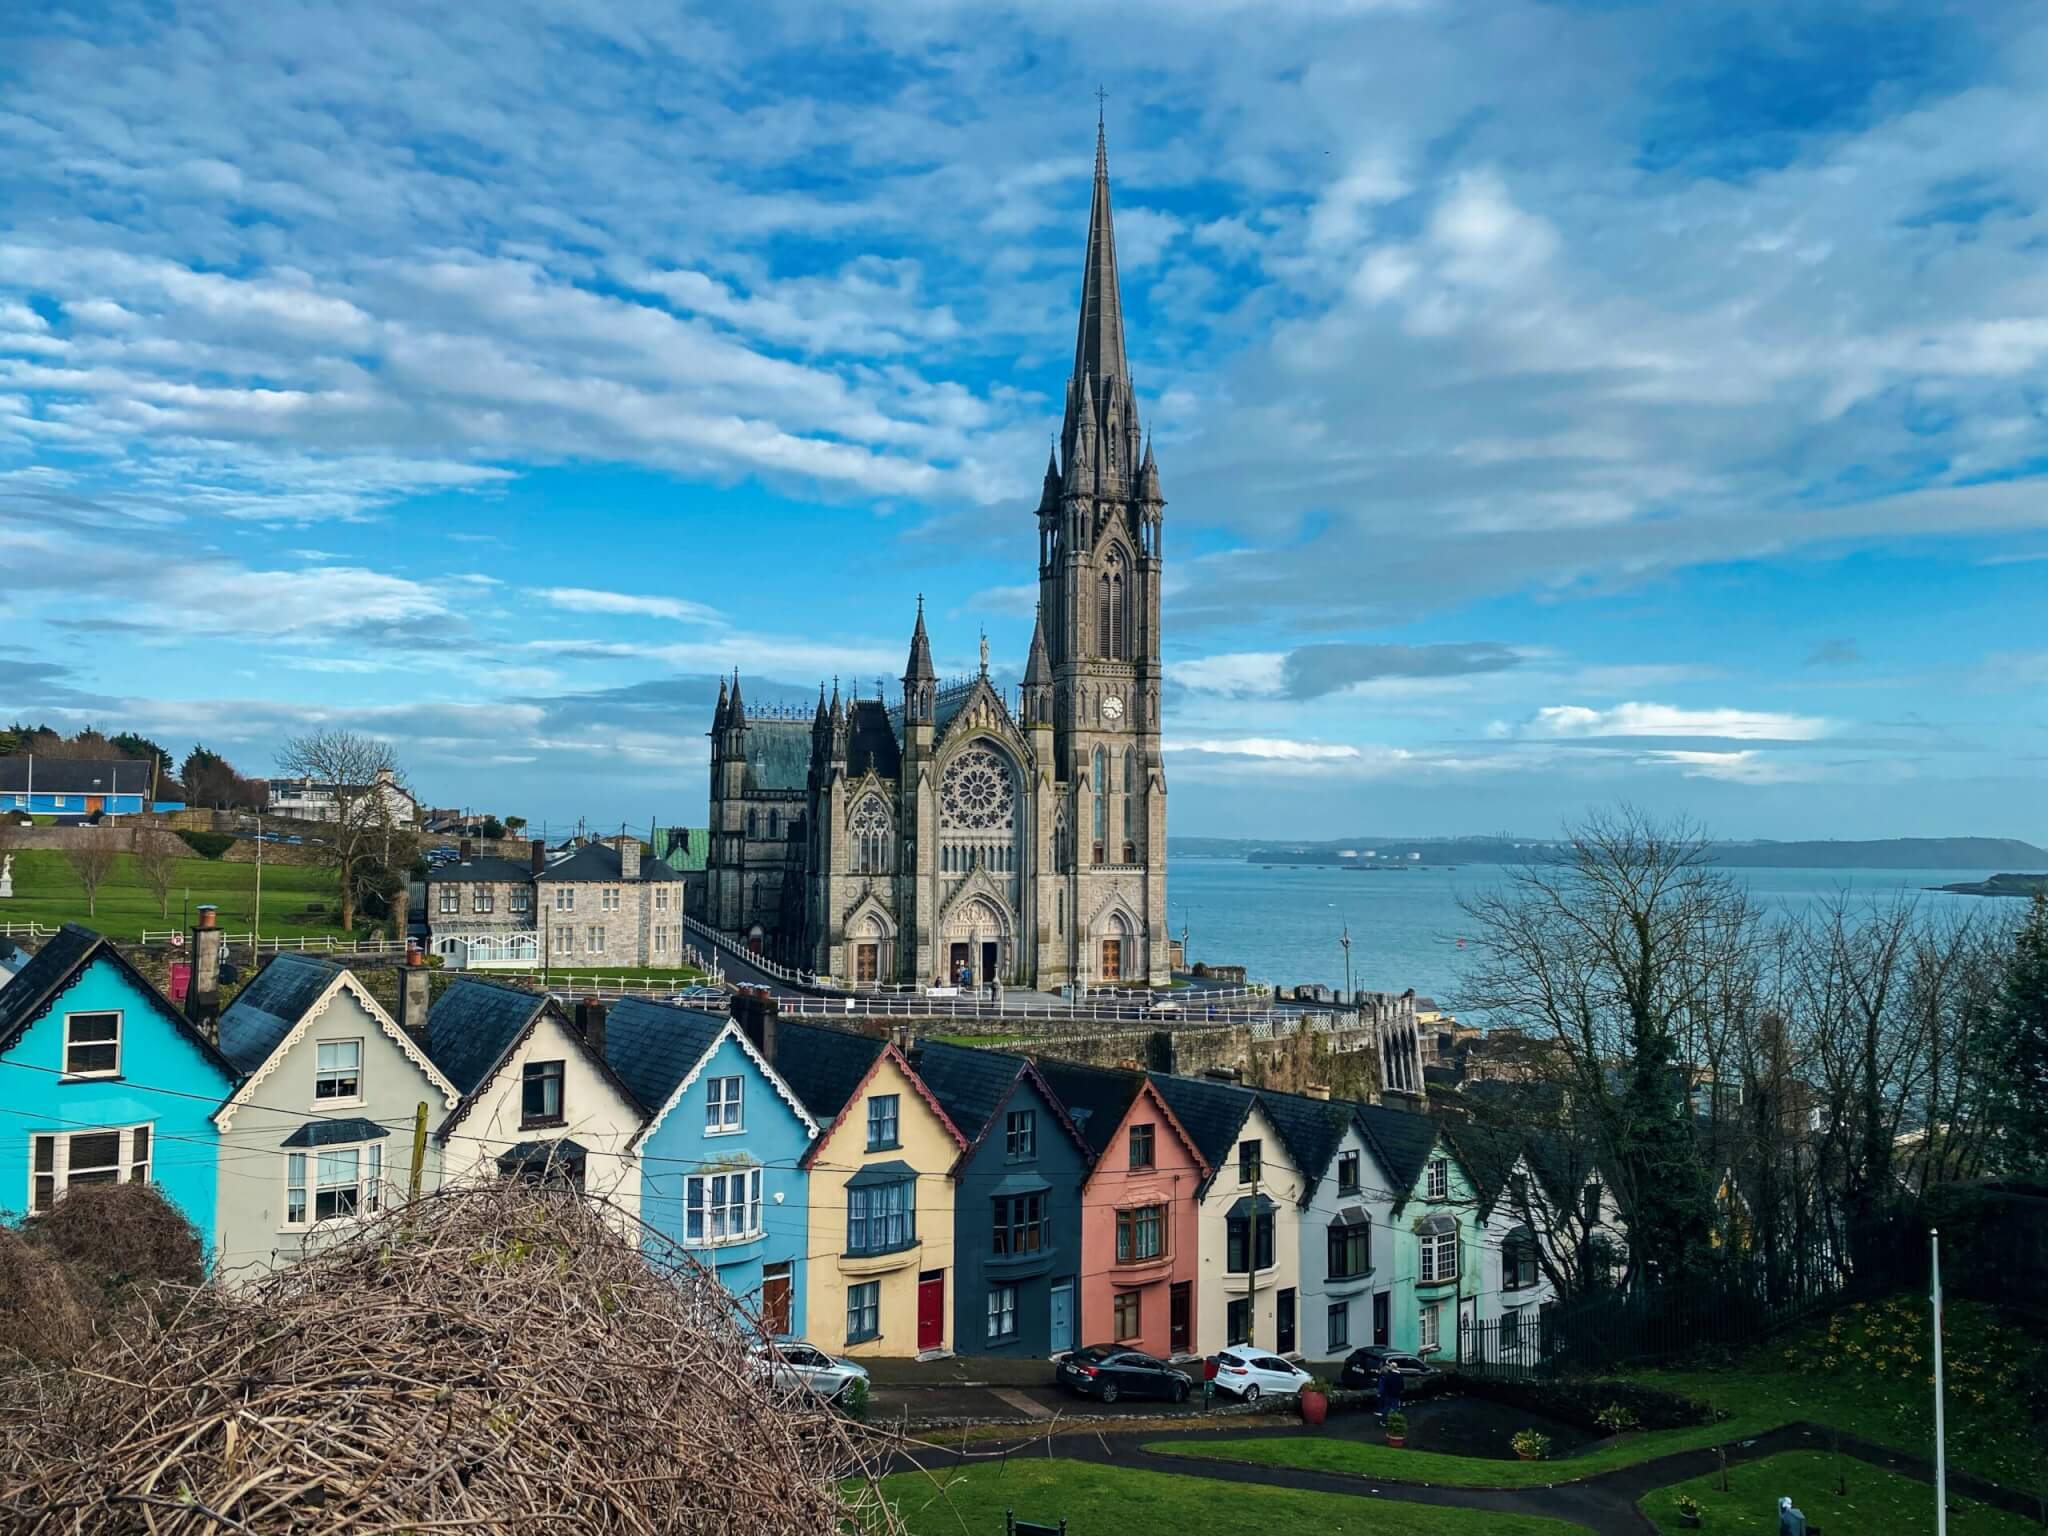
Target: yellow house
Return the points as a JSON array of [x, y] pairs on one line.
[[881, 1211]]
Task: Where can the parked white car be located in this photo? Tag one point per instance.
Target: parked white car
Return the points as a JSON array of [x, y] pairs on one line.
[[1248, 1374], [794, 1364]]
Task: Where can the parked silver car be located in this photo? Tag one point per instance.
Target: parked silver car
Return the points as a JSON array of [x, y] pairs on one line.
[[793, 1364]]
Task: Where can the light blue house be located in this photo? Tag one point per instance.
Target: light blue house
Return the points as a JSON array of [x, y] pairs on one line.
[[104, 1082], [720, 1155], [1436, 1237]]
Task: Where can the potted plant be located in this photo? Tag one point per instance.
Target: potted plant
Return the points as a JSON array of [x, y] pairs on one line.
[[1617, 1419], [1397, 1429], [1314, 1399], [1689, 1511], [1530, 1444]]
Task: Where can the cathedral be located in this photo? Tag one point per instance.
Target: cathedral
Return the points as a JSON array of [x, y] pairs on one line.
[[960, 832]]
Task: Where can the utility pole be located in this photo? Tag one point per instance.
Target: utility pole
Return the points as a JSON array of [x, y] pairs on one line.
[[1940, 1444], [419, 1151], [1344, 941]]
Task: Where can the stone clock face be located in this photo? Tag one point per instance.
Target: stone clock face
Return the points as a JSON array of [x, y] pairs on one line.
[[1112, 707]]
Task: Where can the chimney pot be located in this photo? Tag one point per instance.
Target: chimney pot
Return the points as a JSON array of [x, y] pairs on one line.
[[539, 854], [207, 916], [467, 848], [590, 1023]]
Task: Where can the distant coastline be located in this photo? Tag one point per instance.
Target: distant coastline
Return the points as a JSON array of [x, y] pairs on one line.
[[1998, 885], [1381, 854]]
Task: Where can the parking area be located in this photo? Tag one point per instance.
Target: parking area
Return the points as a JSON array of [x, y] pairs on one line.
[[983, 1389]]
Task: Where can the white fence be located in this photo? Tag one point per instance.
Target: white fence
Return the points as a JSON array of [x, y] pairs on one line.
[[298, 946]]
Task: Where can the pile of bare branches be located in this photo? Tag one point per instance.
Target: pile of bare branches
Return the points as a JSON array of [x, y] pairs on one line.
[[483, 1360]]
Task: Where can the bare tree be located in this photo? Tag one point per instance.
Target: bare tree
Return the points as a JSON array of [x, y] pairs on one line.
[[1619, 953], [366, 833], [92, 852], [156, 857]]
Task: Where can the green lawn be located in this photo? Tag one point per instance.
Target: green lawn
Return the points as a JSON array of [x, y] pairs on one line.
[[1865, 1372], [1416, 1463], [46, 891], [1117, 1501], [1877, 1500]]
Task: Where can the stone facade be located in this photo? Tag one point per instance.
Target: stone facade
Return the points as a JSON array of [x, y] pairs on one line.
[[600, 905], [948, 832]]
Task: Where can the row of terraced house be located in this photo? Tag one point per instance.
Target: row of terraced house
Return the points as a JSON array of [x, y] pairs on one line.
[[878, 1196]]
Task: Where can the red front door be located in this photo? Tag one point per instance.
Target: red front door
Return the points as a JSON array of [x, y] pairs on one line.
[[931, 1309]]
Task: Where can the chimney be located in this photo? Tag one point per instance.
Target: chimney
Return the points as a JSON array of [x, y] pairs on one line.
[[629, 858], [466, 849], [1159, 1052], [756, 1012], [590, 1023], [202, 995], [412, 995], [1318, 1091], [540, 855]]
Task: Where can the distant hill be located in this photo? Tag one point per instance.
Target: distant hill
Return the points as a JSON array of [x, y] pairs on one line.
[[1873, 853], [2000, 885]]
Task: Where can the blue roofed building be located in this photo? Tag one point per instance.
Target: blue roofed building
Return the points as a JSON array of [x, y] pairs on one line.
[[105, 1081], [721, 1153]]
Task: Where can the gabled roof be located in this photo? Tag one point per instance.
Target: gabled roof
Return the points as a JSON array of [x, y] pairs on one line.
[[473, 1024], [37, 986], [1488, 1156], [600, 861], [1212, 1113], [778, 755], [1311, 1129], [972, 1085], [652, 1046], [1402, 1141], [495, 871], [1094, 1098], [824, 1066], [871, 744], [20, 771], [265, 1010], [889, 1053], [1562, 1169]]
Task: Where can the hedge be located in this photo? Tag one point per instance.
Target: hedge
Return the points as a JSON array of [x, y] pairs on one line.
[[208, 845]]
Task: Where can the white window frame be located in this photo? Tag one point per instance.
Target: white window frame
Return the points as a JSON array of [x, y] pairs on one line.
[[521, 899], [130, 1169], [725, 1101], [661, 898], [333, 1100], [451, 899], [1002, 1312], [565, 938], [120, 1019], [1426, 1329], [610, 901], [1437, 1248], [716, 1201], [593, 938], [302, 1172], [565, 897], [864, 1301], [1439, 1176], [482, 899]]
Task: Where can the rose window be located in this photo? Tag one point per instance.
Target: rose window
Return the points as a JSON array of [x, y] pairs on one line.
[[976, 793]]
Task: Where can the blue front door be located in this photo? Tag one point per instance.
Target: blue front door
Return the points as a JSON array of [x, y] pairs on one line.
[[1063, 1316]]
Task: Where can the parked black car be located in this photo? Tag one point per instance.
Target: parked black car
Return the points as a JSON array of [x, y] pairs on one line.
[[1104, 1371], [1362, 1369]]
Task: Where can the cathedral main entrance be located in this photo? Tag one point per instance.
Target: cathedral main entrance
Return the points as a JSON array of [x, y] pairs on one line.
[[963, 965], [977, 943]]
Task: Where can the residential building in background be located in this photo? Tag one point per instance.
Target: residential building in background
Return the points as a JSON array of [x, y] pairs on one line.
[[1434, 1228], [1341, 1179], [77, 786], [596, 905], [315, 800]]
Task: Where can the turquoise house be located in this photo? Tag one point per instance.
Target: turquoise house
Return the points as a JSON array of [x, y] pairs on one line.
[[721, 1154], [1434, 1233], [105, 1081]]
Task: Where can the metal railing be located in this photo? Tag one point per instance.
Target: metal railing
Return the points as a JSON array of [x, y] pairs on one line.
[[301, 946], [1037, 1008], [788, 975]]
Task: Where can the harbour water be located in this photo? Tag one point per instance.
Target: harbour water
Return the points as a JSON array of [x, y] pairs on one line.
[[1283, 923]]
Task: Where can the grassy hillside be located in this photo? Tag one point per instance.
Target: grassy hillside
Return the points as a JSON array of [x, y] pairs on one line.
[[299, 900]]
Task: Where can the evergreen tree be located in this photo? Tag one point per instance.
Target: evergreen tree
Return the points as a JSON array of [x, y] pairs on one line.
[[2020, 1048]]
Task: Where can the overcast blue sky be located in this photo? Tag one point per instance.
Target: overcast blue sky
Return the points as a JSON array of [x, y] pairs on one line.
[[1555, 403]]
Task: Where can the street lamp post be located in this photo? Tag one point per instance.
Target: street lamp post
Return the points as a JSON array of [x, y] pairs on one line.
[[1344, 940]]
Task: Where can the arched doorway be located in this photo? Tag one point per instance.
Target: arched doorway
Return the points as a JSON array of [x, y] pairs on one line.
[[1117, 949], [868, 949], [976, 942]]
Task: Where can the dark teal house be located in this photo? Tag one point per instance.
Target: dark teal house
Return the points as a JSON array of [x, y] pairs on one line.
[[1016, 1203]]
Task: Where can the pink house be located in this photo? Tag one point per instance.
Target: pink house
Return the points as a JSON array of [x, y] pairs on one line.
[[1138, 1232]]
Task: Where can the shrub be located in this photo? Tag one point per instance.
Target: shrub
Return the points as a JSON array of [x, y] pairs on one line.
[[1580, 1402], [855, 1398], [1317, 1384], [1617, 1419], [1530, 1444], [46, 1311], [120, 1239], [1688, 1506], [208, 845]]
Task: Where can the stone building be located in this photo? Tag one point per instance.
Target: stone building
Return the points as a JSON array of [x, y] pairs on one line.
[[600, 904], [959, 830]]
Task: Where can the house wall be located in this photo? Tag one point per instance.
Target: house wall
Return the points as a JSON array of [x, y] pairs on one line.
[[773, 1138], [628, 930], [595, 1113], [1060, 1167], [43, 803], [155, 1054], [1410, 1295], [1216, 1287], [929, 1148], [1495, 1298], [251, 1199], [1318, 1291], [1115, 1185]]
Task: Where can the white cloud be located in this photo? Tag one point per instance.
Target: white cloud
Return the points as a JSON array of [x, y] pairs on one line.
[[1744, 767], [590, 600], [1565, 722]]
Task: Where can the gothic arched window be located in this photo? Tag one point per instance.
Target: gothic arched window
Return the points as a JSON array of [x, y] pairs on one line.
[[774, 824], [978, 821], [752, 826], [1130, 791], [1062, 841], [869, 826], [1101, 785], [1110, 621]]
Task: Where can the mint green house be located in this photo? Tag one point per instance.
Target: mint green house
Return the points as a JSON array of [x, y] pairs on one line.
[[1435, 1237]]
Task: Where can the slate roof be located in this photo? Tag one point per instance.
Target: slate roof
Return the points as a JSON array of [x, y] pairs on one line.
[[332, 1133], [74, 775], [822, 1066], [1488, 1156], [540, 1156], [871, 741], [600, 861], [652, 1046], [472, 1023], [1212, 1113], [970, 1084], [1402, 1140], [1311, 1128], [778, 755], [37, 985], [1095, 1098], [1562, 1171], [493, 870], [268, 1008]]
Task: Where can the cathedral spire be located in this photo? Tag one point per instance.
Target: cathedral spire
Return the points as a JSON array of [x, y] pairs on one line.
[[737, 715], [1099, 346], [1038, 666], [718, 715], [920, 669]]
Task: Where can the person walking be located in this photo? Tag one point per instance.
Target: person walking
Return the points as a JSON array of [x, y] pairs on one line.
[[1390, 1390]]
